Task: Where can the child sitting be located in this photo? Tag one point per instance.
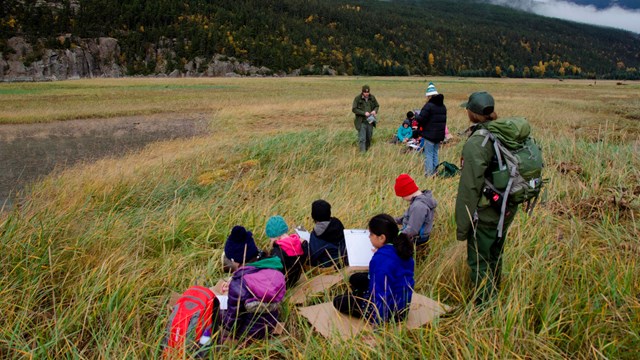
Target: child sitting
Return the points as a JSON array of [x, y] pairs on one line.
[[289, 248], [414, 125], [239, 249], [326, 244], [415, 141], [255, 292], [384, 293], [404, 132], [417, 221]]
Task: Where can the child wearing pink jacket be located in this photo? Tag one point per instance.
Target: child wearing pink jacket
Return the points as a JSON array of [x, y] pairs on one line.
[[288, 247]]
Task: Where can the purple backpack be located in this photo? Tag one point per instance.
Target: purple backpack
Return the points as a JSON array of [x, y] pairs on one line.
[[254, 300]]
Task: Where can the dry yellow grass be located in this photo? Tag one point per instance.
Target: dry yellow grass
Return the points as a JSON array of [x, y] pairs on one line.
[[92, 253]]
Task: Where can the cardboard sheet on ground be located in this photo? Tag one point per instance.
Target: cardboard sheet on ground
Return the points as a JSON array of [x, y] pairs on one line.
[[315, 285], [329, 322], [305, 287], [359, 248]]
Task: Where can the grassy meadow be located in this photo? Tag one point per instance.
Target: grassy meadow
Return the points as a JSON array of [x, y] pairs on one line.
[[91, 254]]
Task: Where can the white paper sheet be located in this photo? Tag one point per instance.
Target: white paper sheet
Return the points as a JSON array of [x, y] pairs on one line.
[[304, 234], [359, 248], [223, 301]]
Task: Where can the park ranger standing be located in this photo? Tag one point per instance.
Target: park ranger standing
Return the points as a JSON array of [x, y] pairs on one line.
[[476, 219], [365, 106]]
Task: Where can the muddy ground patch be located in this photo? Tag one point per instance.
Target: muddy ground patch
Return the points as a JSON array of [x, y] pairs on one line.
[[29, 151]]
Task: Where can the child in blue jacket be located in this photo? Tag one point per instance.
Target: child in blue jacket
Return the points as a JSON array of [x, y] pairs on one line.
[[384, 293], [404, 131]]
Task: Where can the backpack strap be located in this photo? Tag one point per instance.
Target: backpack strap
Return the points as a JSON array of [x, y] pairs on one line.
[[505, 195]]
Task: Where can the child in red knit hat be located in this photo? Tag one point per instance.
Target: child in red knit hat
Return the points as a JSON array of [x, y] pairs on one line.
[[417, 221]]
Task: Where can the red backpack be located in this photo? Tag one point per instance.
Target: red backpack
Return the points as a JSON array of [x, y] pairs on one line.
[[190, 317]]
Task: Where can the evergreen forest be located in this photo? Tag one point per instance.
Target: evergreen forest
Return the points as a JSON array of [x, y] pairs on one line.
[[399, 37]]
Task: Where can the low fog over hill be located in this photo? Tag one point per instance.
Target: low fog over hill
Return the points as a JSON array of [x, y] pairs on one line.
[[621, 14]]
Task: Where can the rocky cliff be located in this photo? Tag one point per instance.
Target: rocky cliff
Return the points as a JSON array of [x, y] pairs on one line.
[[90, 58], [101, 57]]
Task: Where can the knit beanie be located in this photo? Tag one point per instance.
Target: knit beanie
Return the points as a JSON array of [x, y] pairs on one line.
[[431, 90], [321, 211], [405, 185], [276, 226], [238, 240]]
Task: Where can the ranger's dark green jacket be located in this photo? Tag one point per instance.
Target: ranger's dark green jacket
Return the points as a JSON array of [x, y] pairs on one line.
[[476, 164], [362, 106]]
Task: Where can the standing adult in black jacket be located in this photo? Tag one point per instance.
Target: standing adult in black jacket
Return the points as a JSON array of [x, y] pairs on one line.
[[433, 121]]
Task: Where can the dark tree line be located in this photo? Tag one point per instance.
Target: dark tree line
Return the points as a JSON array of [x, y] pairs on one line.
[[400, 37]]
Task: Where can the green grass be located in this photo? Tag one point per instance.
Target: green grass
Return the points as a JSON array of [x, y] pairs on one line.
[[91, 254]]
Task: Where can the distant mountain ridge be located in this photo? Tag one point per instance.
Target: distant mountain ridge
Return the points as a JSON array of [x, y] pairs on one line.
[[401, 37]]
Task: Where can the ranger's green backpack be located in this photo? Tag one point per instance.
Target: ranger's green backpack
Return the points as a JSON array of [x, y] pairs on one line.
[[518, 178]]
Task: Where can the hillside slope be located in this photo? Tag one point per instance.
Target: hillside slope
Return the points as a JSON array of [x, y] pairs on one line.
[[325, 36]]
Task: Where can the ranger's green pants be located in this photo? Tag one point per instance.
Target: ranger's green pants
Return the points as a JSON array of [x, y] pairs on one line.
[[365, 133], [484, 257]]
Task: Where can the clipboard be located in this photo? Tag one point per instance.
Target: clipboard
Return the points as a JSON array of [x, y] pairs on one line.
[[359, 248]]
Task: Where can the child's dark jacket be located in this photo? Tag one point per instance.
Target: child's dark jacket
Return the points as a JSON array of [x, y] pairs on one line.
[[327, 244]]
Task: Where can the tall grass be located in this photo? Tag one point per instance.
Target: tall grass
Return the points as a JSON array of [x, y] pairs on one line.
[[91, 254]]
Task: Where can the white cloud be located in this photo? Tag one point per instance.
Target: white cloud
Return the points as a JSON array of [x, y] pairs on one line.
[[613, 16]]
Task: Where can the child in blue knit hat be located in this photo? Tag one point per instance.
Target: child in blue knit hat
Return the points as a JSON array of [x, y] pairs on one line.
[[288, 247], [239, 249]]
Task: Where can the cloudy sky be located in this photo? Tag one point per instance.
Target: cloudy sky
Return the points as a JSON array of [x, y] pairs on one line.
[[613, 16]]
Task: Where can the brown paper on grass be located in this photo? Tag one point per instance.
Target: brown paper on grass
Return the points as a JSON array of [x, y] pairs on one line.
[[328, 321], [320, 283], [315, 285]]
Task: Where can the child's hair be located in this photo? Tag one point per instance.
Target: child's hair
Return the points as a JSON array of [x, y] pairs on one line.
[[410, 115], [320, 211], [385, 224]]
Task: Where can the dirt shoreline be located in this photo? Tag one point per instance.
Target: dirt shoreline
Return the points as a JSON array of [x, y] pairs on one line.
[[30, 151]]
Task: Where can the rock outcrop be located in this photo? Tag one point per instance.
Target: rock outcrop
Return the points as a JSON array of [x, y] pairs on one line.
[[101, 57], [90, 58]]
